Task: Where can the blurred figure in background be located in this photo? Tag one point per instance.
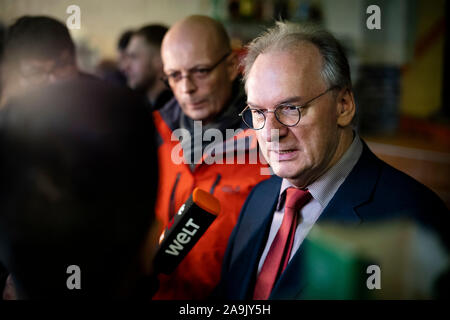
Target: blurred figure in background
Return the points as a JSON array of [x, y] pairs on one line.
[[143, 66], [202, 71], [38, 51], [122, 45], [114, 71], [78, 184]]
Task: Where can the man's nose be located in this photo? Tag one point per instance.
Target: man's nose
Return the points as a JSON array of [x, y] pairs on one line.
[[187, 85], [273, 129]]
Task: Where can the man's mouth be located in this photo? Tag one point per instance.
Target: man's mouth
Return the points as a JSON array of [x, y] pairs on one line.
[[285, 151], [196, 103], [284, 155]]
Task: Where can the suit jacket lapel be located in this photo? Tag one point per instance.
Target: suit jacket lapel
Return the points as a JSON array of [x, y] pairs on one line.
[[356, 190], [251, 240], [292, 281]]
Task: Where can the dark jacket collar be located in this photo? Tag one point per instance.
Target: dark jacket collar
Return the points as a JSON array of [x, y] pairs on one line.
[[161, 99], [356, 190]]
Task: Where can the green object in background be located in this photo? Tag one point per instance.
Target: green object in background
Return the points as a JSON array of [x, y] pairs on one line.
[[333, 271]]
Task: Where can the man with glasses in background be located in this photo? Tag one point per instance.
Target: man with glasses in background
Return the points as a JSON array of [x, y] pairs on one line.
[[38, 51], [301, 106], [202, 72]]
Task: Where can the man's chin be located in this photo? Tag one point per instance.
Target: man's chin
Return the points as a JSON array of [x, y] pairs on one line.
[[283, 170], [196, 114]]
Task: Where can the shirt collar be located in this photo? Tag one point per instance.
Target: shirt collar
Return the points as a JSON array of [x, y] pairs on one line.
[[324, 188]]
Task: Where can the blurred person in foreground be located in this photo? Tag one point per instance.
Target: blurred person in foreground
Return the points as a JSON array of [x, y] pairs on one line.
[[78, 186], [2, 43], [202, 71], [38, 51], [143, 66], [301, 106]]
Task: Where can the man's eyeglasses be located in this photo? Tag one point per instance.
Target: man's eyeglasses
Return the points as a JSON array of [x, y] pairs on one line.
[[287, 114], [197, 73]]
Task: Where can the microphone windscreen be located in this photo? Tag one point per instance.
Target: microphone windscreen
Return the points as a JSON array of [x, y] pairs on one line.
[[190, 223]]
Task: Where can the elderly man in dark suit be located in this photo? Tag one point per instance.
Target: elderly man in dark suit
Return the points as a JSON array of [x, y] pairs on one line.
[[300, 103]]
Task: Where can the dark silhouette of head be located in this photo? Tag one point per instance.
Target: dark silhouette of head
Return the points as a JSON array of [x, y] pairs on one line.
[[38, 37], [38, 51], [143, 66]]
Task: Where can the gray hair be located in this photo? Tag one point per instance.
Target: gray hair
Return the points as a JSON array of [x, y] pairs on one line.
[[287, 36]]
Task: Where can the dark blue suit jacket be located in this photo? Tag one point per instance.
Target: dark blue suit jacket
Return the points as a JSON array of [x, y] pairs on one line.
[[373, 191]]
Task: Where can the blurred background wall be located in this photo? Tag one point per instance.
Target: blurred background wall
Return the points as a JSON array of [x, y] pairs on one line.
[[102, 21]]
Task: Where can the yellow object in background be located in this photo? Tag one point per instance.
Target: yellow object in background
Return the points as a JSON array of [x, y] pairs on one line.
[[421, 94]]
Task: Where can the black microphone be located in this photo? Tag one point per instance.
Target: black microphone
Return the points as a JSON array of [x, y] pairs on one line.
[[190, 223]]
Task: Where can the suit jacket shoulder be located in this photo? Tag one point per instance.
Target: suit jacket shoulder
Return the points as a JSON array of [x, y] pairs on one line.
[[375, 191]]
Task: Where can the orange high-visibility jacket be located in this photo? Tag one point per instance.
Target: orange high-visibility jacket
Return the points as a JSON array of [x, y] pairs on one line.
[[199, 272]]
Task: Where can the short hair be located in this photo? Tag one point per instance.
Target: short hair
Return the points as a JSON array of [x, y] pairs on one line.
[[153, 34], [37, 37], [124, 39], [289, 36], [78, 186]]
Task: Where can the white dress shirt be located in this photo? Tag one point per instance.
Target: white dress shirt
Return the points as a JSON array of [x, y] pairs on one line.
[[322, 191]]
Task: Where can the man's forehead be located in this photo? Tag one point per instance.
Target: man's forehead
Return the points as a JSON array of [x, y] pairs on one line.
[[189, 47], [286, 73], [300, 58], [185, 55], [195, 34], [137, 42]]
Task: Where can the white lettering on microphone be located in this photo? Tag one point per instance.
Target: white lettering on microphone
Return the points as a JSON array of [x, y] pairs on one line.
[[183, 237]]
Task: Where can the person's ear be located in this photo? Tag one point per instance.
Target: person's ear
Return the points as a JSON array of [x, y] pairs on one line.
[[345, 107], [232, 63]]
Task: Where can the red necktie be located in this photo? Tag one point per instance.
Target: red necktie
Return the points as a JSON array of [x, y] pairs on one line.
[[280, 249]]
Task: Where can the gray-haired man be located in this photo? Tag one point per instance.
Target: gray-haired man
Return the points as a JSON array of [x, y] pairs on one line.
[[300, 103]]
